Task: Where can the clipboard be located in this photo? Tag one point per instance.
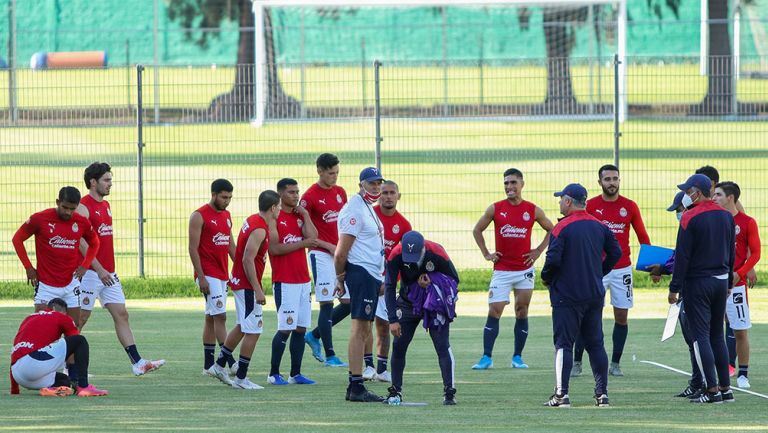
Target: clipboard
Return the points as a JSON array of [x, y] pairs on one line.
[[652, 255], [671, 325]]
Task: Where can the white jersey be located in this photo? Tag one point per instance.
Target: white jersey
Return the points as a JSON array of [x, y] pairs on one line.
[[357, 218]]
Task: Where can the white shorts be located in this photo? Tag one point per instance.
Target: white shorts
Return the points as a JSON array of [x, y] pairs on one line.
[[92, 288], [502, 283], [381, 309], [737, 309], [34, 373], [619, 282], [249, 314], [216, 299], [294, 305], [324, 274], [70, 293]]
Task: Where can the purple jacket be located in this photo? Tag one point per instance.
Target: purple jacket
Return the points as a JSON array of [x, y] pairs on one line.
[[437, 303]]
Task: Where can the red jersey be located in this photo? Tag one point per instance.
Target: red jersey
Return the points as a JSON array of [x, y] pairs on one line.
[[290, 268], [618, 216], [323, 206], [395, 227], [100, 216], [214, 242], [239, 281], [39, 330], [512, 228], [57, 245], [747, 242]]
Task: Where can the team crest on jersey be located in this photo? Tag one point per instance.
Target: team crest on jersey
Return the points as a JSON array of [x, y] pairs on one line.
[[289, 320], [219, 304], [261, 323], [490, 293], [86, 300], [338, 198], [738, 229], [368, 309], [303, 203], [246, 226], [526, 216], [300, 223], [229, 223], [352, 221], [75, 228], [623, 212], [325, 291], [396, 228], [430, 266], [109, 211]]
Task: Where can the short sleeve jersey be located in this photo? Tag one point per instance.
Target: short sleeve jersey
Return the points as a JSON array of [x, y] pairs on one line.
[[100, 217], [359, 219], [239, 280], [323, 206], [290, 268], [215, 237], [512, 228]]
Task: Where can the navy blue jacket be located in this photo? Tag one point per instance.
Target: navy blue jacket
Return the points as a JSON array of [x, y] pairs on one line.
[[581, 251], [705, 245]]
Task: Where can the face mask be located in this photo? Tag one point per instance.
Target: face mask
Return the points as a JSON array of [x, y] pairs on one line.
[[687, 201], [679, 216], [370, 198]]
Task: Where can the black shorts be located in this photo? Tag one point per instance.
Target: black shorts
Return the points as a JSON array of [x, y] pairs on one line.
[[363, 292]]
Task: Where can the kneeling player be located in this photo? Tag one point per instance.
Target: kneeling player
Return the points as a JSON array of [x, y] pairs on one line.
[[413, 259], [39, 351]]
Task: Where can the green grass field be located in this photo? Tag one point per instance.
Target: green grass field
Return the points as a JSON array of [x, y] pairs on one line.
[[178, 398]]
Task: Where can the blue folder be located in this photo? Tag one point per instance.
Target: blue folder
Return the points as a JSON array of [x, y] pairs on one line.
[[652, 255]]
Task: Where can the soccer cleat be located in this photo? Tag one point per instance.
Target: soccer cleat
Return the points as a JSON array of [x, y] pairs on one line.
[[57, 391], [233, 368], [314, 344], [369, 373], [576, 370], [743, 382], [300, 380], [449, 396], [276, 379], [687, 392], [91, 391], [384, 376], [334, 361], [245, 383], [394, 398], [220, 373], [731, 370], [145, 366], [558, 401], [709, 397], [365, 396], [484, 363], [728, 396], [517, 362], [602, 401], [615, 370]]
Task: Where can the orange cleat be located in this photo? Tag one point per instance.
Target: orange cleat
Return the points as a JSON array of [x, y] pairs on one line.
[[57, 391], [91, 391]]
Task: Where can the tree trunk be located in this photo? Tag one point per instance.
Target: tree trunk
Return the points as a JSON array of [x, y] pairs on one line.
[[560, 99], [279, 104], [720, 91]]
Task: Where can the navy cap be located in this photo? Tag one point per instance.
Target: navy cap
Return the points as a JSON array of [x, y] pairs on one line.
[[370, 174], [413, 244], [574, 191], [677, 202], [697, 180]]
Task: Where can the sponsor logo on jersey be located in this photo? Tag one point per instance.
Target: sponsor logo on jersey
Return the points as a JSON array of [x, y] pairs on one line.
[[430, 266], [246, 226], [623, 212], [510, 231], [98, 213], [220, 239], [229, 223], [600, 211], [22, 345], [396, 228], [738, 229], [330, 216], [321, 200], [51, 227], [105, 230], [300, 223], [284, 223], [214, 222], [61, 242], [526, 216], [75, 228], [503, 214], [292, 239], [615, 227], [235, 281]]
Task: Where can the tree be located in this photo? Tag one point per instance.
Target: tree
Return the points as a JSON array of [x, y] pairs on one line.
[[237, 104]]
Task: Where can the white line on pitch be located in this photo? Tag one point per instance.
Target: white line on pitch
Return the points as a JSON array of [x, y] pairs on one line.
[[688, 374]]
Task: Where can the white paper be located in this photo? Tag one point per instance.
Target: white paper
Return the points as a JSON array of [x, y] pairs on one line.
[[671, 325]]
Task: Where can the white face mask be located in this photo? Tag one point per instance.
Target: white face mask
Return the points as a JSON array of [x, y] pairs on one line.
[[687, 201]]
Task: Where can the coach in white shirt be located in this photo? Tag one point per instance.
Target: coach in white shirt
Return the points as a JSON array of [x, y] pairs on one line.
[[359, 262]]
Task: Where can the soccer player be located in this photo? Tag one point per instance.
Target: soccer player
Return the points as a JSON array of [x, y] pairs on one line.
[[618, 213], [57, 235], [100, 281], [704, 257], [39, 351], [210, 246], [420, 262], [747, 255], [289, 235], [323, 200], [250, 260], [581, 252], [395, 226], [359, 265], [513, 261]]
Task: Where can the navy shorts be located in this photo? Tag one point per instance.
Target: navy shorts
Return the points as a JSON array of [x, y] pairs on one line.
[[363, 292]]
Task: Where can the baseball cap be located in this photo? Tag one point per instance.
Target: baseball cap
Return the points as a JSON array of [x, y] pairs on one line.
[[413, 244], [677, 202], [697, 180], [370, 174], [574, 191]]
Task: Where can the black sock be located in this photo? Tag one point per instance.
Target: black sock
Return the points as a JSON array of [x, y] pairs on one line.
[[356, 382], [521, 335], [242, 367], [744, 370], [208, 359], [225, 356], [368, 358], [278, 348], [340, 312], [77, 346], [325, 329], [490, 332], [133, 354], [381, 364], [230, 359], [297, 352], [72, 372], [619, 339]]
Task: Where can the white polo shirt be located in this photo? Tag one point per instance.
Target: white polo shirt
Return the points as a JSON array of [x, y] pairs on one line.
[[357, 218]]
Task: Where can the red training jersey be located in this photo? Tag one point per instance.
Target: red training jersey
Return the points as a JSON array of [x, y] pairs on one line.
[[100, 217], [39, 330], [395, 227], [290, 268], [618, 215], [747, 243], [57, 245], [214, 242], [512, 228], [323, 206], [239, 280]]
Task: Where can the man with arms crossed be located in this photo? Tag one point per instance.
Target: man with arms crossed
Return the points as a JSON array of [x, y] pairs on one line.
[[513, 260], [100, 281], [323, 200]]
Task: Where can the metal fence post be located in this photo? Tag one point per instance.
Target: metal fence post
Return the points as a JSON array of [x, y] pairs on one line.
[[377, 112], [140, 165], [362, 70], [12, 108], [616, 109]]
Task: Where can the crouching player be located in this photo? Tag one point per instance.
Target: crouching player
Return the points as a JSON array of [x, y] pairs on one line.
[[428, 290], [39, 351]]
